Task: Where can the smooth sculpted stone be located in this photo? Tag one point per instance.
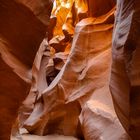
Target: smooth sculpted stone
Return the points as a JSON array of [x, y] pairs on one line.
[[78, 102], [21, 33], [40, 8], [125, 78], [49, 137], [71, 72]]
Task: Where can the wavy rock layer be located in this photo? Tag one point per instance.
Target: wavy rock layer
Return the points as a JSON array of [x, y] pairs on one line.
[[125, 80], [70, 75], [77, 101], [20, 36]]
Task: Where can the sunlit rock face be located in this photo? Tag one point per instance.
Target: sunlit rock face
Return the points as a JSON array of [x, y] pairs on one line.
[[21, 33], [70, 92], [125, 81], [58, 53]]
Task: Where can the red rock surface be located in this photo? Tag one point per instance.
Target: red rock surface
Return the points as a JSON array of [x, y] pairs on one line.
[[125, 80], [73, 73], [78, 101], [49, 137], [20, 36]]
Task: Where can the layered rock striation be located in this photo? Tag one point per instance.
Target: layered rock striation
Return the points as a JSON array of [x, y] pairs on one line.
[[124, 83], [21, 33], [78, 83], [77, 101]]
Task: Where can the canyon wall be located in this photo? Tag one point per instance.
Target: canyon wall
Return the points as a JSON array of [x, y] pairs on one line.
[[125, 81], [20, 36], [76, 65], [74, 97]]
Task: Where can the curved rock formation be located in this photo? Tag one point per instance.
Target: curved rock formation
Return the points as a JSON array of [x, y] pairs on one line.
[[125, 81], [20, 36], [71, 75], [77, 102]]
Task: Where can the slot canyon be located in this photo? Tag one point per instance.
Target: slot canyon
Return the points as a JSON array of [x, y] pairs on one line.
[[69, 70]]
